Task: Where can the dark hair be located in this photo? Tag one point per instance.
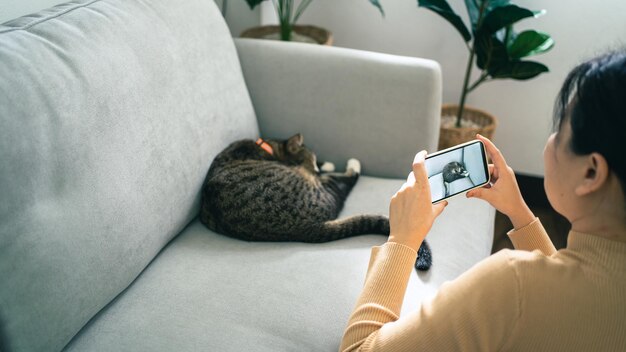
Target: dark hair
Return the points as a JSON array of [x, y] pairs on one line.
[[593, 99]]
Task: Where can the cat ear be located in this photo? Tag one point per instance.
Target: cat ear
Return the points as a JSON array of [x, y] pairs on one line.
[[295, 142]]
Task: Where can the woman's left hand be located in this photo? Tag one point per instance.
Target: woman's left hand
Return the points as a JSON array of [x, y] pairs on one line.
[[411, 212]]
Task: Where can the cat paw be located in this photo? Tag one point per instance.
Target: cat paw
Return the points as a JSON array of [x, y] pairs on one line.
[[354, 165], [327, 166]]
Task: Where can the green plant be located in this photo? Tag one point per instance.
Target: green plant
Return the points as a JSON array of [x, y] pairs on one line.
[[498, 49], [287, 17]]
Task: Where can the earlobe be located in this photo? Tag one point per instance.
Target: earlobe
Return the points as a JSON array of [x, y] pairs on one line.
[[596, 174]]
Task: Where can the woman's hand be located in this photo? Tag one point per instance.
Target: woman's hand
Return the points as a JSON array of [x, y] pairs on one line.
[[411, 212], [503, 192]]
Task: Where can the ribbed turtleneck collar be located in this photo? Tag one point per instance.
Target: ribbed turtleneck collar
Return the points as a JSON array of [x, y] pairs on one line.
[[607, 253]]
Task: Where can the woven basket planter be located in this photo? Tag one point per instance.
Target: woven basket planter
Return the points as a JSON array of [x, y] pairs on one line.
[[319, 35], [451, 136]]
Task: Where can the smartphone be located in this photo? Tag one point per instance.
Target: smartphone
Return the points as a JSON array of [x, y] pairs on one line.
[[456, 170]]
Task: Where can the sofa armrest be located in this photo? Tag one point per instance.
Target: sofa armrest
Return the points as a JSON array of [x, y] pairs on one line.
[[378, 108]]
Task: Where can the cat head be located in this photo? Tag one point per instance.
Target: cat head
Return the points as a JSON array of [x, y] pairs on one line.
[[292, 151], [458, 169]]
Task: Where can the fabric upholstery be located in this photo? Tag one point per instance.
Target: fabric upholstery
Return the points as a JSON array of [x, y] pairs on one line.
[[110, 114], [375, 107], [213, 293]]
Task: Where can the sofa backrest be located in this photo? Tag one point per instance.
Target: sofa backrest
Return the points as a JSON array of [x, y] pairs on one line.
[[110, 114]]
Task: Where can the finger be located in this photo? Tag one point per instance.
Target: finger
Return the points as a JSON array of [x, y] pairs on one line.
[[475, 193], [480, 193], [438, 208], [493, 175], [493, 151], [411, 178], [419, 166]]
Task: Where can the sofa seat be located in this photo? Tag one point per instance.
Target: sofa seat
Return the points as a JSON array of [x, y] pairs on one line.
[[205, 291], [111, 112]]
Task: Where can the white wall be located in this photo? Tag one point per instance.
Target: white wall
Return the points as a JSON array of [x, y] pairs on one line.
[[580, 29], [524, 108], [239, 16]]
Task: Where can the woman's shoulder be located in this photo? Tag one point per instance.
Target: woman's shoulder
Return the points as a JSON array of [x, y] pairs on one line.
[[509, 264], [507, 271], [519, 259], [513, 257], [521, 256], [531, 268]]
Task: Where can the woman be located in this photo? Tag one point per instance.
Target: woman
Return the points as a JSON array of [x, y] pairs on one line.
[[533, 298]]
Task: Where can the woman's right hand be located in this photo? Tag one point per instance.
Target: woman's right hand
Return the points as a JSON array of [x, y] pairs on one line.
[[411, 211], [503, 192]]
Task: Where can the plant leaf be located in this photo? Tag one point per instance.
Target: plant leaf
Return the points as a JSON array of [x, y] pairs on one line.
[[473, 8], [520, 70], [503, 16], [490, 52], [530, 43], [492, 4], [377, 4], [442, 8], [253, 3]]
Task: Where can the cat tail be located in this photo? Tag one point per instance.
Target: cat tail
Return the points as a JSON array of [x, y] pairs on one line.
[[424, 257], [348, 227], [361, 225]]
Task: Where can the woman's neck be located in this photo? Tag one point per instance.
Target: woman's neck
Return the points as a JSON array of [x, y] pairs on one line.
[[605, 230], [603, 216]]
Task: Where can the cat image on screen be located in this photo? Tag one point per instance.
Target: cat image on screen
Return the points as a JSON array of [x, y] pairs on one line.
[[452, 172]]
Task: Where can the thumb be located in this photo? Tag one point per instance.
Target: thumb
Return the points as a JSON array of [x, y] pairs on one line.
[[439, 207], [480, 193]]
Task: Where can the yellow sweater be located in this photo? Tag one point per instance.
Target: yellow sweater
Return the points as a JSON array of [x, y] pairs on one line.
[[530, 299]]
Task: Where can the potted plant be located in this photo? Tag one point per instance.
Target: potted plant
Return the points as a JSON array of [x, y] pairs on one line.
[[288, 14], [498, 51]]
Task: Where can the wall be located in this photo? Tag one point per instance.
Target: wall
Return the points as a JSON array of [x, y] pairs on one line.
[[239, 16], [524, 108]]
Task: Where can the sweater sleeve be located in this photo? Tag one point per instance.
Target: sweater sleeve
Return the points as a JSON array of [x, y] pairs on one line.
[[532, 237], [475, 312]]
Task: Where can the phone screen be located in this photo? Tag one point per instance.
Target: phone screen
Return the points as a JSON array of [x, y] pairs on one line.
[[457, 170]]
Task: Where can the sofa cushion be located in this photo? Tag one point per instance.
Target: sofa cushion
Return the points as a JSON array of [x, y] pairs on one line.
[[110, 114], [207, 292]]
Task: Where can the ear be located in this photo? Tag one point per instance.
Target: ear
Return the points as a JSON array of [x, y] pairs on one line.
[[294, 143], [596, 174]]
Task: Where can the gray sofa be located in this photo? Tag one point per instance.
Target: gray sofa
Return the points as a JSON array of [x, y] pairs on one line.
[[110, 114]]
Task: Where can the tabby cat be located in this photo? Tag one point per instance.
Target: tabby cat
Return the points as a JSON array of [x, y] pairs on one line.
[[273, 190], [451, 172]]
